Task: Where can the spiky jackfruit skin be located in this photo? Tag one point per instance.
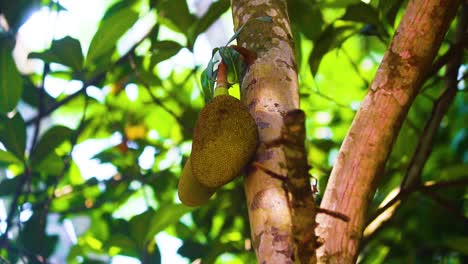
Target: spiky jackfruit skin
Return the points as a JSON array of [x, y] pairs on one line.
[[224, 141], [190, 191]]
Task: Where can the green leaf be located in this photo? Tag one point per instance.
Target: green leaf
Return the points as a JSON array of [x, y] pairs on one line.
[[306, 15], [457, 171], [331, 38], [53, 138], [18, 11], [32, 230], [363, 13], [233, 61], [208, 79], [152, 254], [13, 134], [51, 164], [192, 250], [139, 226], [266, 19], [107, 155], [11, 82], [163, 50], [175, 14], [118, 6], [127, 246], [207, 85], [215, 10], [336, 3], [165, 216], [31, 95], [7, 158], [390, 9], [66, 51], [109, 32], [8, 186], [457, 243]]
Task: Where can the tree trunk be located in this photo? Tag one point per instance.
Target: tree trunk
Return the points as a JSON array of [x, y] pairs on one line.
[[369, 141], [270, 89]]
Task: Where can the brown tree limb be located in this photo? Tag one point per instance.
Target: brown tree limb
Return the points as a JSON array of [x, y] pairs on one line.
[[297, 185], [411, 180], [369, 142], [396, 201], [441, 106], [269, 89]]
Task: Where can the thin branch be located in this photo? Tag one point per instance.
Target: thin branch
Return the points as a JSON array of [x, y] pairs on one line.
[[67, 99], [37, 127], [317, 92], [14, 204], [445, 184], [463, 77], [338, 215], [40, 107], [355, 67], [20, 252], [148, 89], [445, 58], [404, 194], [92, 81], [446, 205], [67, 162]]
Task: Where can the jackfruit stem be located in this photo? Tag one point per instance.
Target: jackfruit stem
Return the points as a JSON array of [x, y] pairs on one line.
[[221, 91], [222, 84], [248, 55]]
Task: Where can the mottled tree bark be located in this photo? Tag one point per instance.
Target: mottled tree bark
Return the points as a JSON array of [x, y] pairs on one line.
[[369, 141], [270, 89]]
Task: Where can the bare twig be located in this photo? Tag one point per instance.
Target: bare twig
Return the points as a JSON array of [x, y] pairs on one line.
[[67, 162], [40, 107], [446, 205], [404, 194], [37, 127], [148, 89], [317, 92], [14, 204], [23, 252], [338, 215], [445, 58], [355, 67]]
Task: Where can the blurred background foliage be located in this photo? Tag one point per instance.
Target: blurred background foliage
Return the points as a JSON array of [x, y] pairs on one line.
[[98, 101]]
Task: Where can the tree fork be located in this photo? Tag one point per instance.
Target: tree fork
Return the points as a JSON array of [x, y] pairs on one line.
[[369, 141]]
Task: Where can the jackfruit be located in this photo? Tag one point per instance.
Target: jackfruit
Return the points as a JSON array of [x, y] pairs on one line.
[[190, 191], [224, 141]]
